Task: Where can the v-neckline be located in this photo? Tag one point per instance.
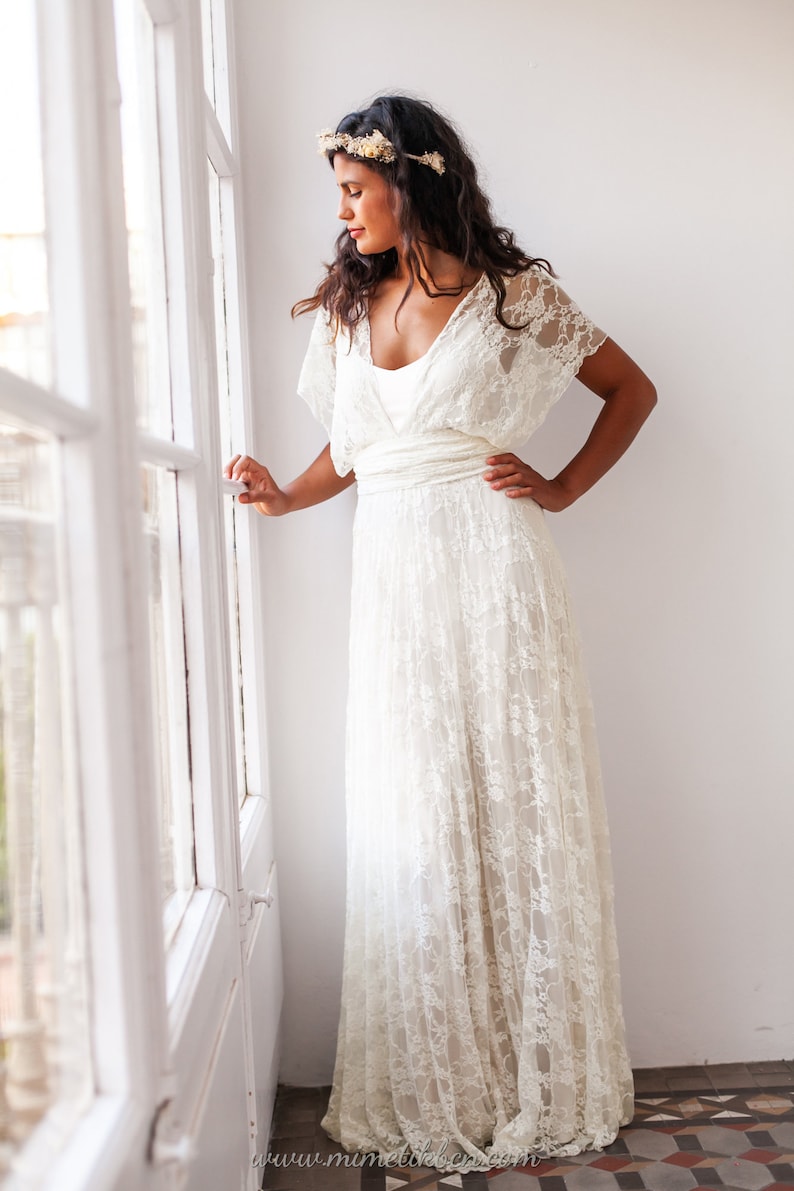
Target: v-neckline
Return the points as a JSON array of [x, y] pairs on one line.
[[368, 332]]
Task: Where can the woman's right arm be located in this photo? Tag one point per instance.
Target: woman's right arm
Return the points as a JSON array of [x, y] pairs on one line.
[[319, 482]]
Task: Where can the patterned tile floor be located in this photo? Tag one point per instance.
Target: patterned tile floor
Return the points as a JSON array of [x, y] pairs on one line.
[[727, 1125]]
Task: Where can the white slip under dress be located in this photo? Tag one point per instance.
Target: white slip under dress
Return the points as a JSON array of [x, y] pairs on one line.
[[397, 392]]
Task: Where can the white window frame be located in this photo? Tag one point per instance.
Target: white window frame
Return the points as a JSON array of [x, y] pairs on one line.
[[140, 995], [221, 153]]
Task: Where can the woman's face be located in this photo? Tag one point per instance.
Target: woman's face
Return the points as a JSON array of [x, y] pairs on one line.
[[366, 204]]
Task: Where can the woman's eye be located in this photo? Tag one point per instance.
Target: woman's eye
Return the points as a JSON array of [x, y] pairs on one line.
[[353, 193]]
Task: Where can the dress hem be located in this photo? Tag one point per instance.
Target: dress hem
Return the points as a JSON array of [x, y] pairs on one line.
[[504, 1157]]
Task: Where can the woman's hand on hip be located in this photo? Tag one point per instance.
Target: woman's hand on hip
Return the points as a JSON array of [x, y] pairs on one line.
[[263, 491], [510, 474]]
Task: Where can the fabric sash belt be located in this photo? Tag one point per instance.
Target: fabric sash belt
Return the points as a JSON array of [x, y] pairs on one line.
[[432, 458]]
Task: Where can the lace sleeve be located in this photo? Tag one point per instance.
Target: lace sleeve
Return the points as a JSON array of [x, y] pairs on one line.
[[544, 356], [317, 380], [559, 326]]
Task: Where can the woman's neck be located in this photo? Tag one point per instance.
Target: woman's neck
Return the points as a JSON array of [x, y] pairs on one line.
[[436, 268]]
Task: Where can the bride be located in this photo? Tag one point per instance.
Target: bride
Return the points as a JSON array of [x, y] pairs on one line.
[[481, 1017]]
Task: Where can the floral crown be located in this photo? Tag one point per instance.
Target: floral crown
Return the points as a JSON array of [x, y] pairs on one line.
[[374, 145]]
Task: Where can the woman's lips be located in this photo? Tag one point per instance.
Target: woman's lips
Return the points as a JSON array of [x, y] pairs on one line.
[[356, 231]]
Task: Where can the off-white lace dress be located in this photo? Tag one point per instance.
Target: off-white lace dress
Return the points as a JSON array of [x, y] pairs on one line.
[[481, 1015]]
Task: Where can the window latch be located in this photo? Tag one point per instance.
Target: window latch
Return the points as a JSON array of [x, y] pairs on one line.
[[168, 1144]]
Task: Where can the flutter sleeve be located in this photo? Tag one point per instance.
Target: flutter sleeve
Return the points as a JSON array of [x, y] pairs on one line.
[[555, 338], [317, 380], [558, 326]]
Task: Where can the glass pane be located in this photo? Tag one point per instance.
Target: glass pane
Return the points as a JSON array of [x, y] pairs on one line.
[[222, 309], [169, 677], [235, 652], [206, 48], [143, 207], [45, 1068], [24, 301], [216, 76]]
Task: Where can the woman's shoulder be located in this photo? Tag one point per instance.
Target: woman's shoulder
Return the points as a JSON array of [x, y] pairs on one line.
[[529, 294], [535, 279], [538, 309]]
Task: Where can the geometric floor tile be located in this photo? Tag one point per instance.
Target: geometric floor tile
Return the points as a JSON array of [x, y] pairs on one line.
[[714, 1128], [776, 1105], [737, 1105]]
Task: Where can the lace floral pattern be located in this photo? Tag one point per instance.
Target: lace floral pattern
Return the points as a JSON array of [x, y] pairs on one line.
[[478, 377], [481, 1013]]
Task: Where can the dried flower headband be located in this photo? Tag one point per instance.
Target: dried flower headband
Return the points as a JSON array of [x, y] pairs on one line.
[[374, 145]]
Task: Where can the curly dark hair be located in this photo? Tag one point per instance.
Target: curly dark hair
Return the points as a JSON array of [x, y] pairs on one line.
[[449, 211]]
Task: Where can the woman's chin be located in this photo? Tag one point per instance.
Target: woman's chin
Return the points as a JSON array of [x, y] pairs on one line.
[[372, 248]]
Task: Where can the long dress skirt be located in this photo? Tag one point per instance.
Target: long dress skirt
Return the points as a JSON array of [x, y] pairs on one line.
[[481, 1014]]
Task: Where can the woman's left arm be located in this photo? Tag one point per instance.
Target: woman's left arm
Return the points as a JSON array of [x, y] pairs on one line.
[[628, 396]]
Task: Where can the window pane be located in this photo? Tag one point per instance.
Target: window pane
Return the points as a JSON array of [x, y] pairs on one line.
[[45, 1068], [206, 48], [216, 74], [143, 206], [24, 302], [222, 313], [169, 676]]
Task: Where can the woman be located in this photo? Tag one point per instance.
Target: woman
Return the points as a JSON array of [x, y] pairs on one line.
[[481, 1014]]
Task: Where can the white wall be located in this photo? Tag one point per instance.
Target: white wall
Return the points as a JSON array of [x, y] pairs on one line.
[[644, 147]]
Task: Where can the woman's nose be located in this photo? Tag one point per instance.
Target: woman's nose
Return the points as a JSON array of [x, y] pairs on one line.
[[343, 211]]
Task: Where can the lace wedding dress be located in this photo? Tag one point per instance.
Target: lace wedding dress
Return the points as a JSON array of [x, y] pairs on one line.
[[481, 1015]]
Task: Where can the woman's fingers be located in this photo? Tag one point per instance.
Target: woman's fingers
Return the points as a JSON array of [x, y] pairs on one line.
[[509, 480], [259, 480], [249, 471], [241, 467], [262, 490], [260, 485], [518, 479], [511, 474], [502, 460], [244, 467]]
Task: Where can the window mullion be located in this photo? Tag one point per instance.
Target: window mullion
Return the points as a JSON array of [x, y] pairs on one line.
[[247, 539], [21, 398], [165, 453], [195, 398], [218, 149]]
